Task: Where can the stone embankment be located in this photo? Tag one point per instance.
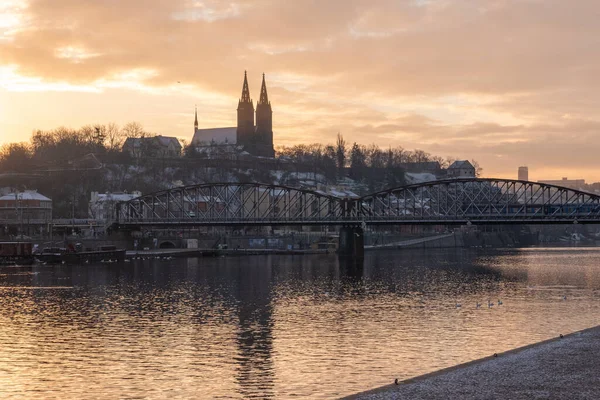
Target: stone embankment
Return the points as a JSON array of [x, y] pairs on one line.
[[561, 368]]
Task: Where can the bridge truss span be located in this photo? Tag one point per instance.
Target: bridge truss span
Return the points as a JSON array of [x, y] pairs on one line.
[[479, 200], [231, 204], [443, 202]]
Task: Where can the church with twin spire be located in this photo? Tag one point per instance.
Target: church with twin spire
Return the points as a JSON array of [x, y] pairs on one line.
[[254, 136]]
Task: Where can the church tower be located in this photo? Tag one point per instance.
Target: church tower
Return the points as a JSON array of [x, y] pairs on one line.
[[245, 117], [264, 122], [196, 121]]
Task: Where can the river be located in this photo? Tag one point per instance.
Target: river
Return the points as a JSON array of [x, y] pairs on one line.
[[280, 326]]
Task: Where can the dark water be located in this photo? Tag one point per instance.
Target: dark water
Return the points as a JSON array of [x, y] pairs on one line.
[[279, 326]]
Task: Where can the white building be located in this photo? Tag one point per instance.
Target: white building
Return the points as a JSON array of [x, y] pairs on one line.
[[102, 205], [461, 169], [28, 209]]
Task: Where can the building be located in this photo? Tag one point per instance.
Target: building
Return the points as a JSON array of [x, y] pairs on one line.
[[577, 184], [461, 169], [102, 205], [155, 146], [27, 212], [214, 136], [523, 174], [254, 138], [430, 167]]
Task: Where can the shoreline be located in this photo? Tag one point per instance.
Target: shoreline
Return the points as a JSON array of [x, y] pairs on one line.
[[458, 381], [192, 253]]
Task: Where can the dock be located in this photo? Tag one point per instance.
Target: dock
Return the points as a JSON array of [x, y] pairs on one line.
[[559, 368]]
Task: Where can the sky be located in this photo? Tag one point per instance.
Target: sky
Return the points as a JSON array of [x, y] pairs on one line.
[[505, 82]]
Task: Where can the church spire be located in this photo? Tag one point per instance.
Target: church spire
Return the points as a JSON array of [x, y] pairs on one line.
[[264, 98], [196, 119], [245, 91]]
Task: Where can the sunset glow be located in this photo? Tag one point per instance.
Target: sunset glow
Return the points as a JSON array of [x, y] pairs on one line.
[[505, 82]]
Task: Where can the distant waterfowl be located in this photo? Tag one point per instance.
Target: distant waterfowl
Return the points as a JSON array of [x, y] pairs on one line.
[[490, 304], [477, 305], [564, 297], [396, 381], [458, 305], [500, 302]]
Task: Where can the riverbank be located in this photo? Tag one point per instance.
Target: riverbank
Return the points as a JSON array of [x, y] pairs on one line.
[[217, 252], [559, 368]]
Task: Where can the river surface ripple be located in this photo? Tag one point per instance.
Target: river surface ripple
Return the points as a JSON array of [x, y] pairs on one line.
[[280, 326]]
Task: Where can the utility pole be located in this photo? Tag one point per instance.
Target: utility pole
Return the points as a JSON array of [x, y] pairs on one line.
[[17, 206], [73, 215], [19, 212]]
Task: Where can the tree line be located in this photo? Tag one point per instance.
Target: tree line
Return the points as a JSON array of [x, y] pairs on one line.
[[60, 146], [369, 163]]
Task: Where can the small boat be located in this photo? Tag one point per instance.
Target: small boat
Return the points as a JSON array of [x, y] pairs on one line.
[[51, 255], [16, 253]]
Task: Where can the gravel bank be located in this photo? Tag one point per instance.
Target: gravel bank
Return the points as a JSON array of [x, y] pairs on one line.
[[562, 368]]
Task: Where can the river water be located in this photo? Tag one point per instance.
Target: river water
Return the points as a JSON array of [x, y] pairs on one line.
[[280, 326]]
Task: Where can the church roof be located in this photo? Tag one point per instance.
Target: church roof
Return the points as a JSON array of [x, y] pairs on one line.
[[215, 135]]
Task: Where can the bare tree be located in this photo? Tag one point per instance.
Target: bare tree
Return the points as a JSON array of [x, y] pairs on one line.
[[133, 130], [440, 160], [478, 169], [15, 157], [113, 137]]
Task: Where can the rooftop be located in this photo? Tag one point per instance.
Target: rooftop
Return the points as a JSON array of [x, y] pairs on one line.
[[25, 195]]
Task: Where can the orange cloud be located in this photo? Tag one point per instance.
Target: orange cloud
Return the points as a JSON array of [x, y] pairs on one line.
[[507, 82]]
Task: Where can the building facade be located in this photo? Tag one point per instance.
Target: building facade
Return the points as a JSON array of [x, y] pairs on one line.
[[155, 146], [102, 205], [523, 174], [27, 212], [254, 136], [461, 169]]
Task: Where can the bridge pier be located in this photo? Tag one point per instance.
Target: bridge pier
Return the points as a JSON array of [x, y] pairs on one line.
[[352, 242]]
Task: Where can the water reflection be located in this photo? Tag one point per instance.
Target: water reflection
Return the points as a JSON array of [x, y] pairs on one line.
[[279, 326]]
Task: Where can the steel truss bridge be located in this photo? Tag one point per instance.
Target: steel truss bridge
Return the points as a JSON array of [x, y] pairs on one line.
[[444, 202]]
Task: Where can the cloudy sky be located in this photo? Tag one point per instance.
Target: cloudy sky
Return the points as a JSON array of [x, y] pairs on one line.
[[506, 82]]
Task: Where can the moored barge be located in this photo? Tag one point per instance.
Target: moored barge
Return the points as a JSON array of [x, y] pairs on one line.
[[16, 253], [103, 254], [106, 254]]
